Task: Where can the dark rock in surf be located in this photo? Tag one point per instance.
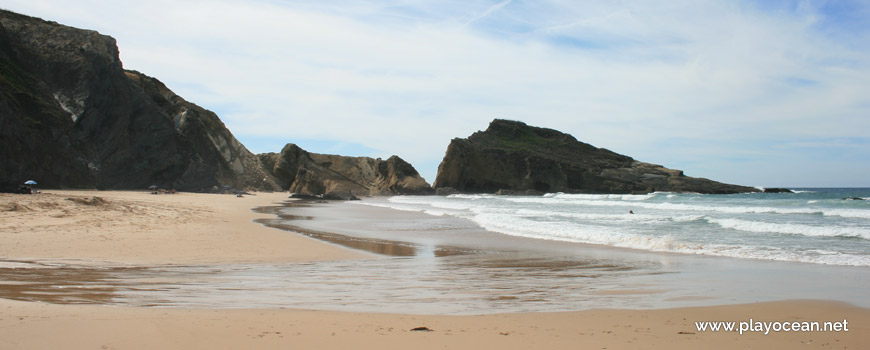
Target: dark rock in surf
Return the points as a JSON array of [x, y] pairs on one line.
[[777, 190]]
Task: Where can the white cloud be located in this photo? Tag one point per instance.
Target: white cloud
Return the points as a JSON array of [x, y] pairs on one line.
[[404, 77]]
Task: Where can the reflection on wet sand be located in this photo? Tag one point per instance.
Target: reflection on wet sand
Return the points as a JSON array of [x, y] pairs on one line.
[[52, 284], [455, 284], [284, 221], [382, 247]]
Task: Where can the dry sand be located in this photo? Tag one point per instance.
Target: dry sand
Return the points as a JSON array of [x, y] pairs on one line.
[[139, 228], [43, 326]]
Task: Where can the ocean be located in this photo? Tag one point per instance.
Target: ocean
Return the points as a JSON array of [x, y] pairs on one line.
[[813, 225]]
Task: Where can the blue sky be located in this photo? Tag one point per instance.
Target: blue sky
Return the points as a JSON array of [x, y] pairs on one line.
[[762, 93]]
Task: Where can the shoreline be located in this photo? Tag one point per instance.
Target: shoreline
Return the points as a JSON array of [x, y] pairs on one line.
[[218, 236], [679, 280]]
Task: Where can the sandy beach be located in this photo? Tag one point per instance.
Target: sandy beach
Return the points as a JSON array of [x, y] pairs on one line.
[[111, 229], [141, 228]]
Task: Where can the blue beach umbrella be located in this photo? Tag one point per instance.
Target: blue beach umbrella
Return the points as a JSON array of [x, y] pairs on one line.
[[30, 186]]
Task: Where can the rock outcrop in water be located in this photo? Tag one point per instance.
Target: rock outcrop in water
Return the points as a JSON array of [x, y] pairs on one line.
[[72, 116], [308, 173], [511, 157]]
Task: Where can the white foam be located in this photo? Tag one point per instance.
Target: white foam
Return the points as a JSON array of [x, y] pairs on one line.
[[729, 209], [777, 254], [386, 205], [611, 218], [604, 220], [848, 213], [792, 229], [470, 196], [623, 197], [433, 202], [562, 231], [603, 235]]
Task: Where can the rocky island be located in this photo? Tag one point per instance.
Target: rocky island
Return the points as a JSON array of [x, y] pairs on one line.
[[511, 157]]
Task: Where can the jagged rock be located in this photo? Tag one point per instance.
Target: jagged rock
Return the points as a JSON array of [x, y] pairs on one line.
[[71, 116], [305, 173], [513, 157]]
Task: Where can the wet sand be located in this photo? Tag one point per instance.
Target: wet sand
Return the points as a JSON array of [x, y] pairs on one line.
[[138, 232]]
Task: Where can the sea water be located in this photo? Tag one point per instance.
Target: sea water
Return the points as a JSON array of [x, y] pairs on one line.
[[812, 225]]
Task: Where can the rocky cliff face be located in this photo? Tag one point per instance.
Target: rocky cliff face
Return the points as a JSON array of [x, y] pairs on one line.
[[512, 157], [71, 116], [308, 173]]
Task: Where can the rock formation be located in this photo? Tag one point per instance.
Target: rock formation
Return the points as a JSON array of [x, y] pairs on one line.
[[511, 157], [308, 173], [71, 116]]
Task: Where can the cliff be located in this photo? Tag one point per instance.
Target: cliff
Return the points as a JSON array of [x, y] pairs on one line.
[[71, 116], [308, 173], [512, 157]]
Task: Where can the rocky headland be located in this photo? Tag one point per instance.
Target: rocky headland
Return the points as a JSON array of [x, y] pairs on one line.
[[73, 117], [510, 157]]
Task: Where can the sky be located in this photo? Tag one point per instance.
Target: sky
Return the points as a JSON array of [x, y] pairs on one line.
[[759, 93]]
